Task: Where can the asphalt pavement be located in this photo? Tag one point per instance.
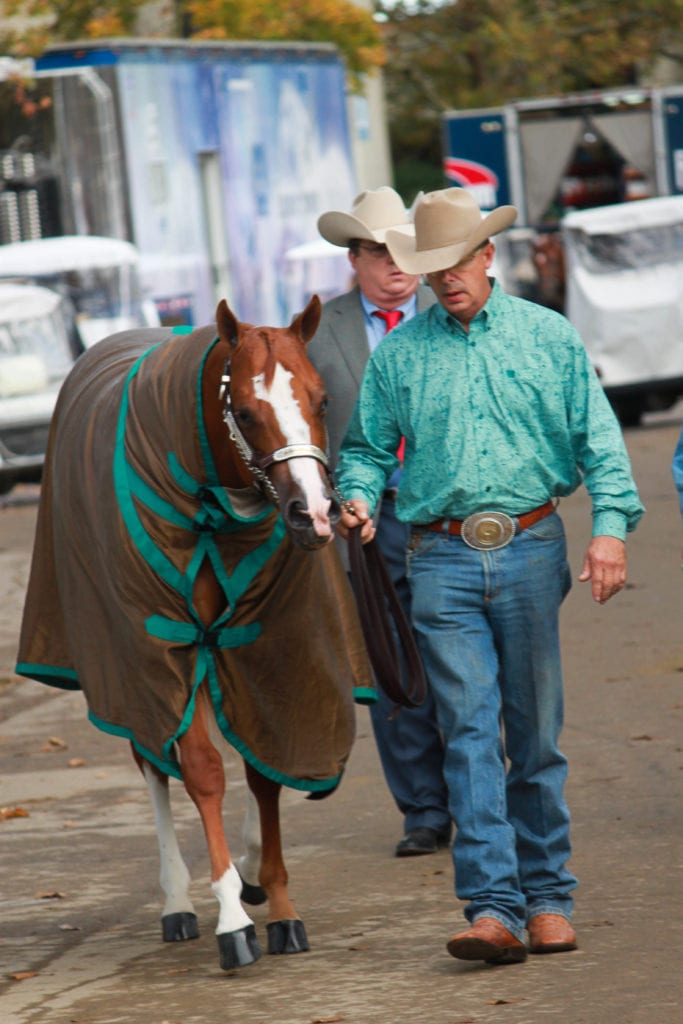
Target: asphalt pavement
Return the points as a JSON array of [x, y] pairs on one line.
[[79, 897]]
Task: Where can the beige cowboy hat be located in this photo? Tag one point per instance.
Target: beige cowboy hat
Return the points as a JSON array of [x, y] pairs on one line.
[[372, 214], [448, 227]]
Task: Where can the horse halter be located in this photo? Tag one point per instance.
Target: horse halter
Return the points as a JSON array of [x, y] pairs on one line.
[[256, 463]]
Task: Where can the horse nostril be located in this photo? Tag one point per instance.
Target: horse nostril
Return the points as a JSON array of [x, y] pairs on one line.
[[297, 514]]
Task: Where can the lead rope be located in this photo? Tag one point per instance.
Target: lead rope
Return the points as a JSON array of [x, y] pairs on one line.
[[378, 604]]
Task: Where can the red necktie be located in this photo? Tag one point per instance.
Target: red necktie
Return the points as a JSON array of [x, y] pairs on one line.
[[391, 317]]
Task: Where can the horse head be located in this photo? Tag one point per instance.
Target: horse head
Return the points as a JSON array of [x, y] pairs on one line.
[[274, 406]]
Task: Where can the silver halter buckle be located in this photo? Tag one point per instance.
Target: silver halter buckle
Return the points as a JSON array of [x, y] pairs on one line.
[[487, 531]]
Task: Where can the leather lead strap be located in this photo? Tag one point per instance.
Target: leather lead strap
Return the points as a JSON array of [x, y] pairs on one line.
[[378, 604]]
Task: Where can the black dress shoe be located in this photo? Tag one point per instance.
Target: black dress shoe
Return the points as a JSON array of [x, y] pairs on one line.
[[421, 840]]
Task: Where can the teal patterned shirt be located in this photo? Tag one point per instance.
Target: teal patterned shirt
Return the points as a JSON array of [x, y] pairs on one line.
[[503, 417]]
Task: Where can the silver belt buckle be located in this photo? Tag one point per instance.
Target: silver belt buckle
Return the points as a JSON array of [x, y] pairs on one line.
[[487, 531]]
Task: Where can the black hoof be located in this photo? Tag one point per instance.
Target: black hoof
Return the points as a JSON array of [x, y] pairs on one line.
[[287, 937], [254, 895], [239, 949], [178, 927]]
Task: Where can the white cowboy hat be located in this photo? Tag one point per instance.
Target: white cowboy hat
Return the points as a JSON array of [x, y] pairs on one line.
[[448, 227], [372, 214]]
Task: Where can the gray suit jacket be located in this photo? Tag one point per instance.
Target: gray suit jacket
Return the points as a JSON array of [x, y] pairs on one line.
[[339, 352]]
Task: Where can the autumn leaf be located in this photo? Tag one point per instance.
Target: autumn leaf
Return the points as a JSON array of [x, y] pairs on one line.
[[13, 812]]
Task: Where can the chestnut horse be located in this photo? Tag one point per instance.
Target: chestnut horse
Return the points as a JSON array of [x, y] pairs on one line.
[[262, 424]]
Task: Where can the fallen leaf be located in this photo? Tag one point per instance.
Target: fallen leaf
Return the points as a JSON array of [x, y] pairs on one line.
[[54, 743], [76, 762], [502, 1002], [13, 812], [643, 737], [328, 1020], [49, 896], [23, 975]]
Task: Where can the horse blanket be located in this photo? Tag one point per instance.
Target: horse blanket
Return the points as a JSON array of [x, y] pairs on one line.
[[130, 507]]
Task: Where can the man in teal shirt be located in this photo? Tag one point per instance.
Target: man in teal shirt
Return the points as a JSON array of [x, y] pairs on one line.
[[502, 413]]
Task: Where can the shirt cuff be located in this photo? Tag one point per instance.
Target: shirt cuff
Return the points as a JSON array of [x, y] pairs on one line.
[[610, 523]]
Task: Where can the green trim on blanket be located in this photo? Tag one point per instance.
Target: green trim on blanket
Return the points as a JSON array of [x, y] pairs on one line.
[[187, 633], [52, 675], [168, 767], [365, 695], [307, 785], [124, 496]]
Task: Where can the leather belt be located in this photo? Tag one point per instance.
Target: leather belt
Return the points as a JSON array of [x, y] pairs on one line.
[[454, 527]]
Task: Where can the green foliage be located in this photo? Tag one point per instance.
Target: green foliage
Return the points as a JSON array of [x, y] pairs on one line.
[[480, 53], [351, 28], [51, 21]]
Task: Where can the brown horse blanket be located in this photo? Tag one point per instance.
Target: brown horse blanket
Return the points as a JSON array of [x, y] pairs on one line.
[[130, 507]]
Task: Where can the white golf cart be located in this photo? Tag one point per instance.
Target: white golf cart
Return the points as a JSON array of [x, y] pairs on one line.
[[625, 297], [35, 356], [99, 277]]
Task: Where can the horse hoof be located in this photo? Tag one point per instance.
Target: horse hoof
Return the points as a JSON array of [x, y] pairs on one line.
[[238, 949], [254, 895], [287, 937], [178, 927]]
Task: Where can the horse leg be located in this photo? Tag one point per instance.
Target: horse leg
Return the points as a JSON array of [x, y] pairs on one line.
[[178, 919], [204, 778], [286, 932], [249, 863]]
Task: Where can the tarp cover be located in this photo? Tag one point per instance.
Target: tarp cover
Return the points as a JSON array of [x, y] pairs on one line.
[[625, 288], [130, 507]]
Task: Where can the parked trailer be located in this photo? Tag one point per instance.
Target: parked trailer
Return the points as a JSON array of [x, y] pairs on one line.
[[214, 159], [553, 155]]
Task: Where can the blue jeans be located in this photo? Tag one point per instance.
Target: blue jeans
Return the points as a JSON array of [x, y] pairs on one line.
[[409, 741], [487, 625]]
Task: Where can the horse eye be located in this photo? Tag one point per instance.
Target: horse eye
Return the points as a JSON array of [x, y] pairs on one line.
[[243, 416]]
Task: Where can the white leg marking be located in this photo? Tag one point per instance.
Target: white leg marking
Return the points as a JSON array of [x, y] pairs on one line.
[[174, 876], [296, 430], [227, 891], [250, 862]]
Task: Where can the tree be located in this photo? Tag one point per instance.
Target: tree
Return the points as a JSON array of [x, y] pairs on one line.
[[341, 22], [478, 53]]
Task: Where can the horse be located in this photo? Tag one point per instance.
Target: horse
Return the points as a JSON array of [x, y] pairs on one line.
[[184, 579]]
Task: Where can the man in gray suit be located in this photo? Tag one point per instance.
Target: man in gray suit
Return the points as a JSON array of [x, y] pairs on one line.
[[409, 743]]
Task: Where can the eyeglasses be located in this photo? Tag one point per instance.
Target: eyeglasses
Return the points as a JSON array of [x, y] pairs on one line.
[[464, 264], [375, 252]]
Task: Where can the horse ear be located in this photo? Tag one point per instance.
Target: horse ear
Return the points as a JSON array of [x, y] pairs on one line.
[[228, 327], [306, 323]]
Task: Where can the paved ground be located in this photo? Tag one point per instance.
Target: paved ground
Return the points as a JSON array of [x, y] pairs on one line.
[[80, 943]]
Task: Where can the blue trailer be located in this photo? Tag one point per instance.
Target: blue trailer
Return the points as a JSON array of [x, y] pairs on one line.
[[550, 156], [214, 159]]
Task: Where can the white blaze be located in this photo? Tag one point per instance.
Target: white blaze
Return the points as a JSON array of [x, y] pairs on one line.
[[296, 430]]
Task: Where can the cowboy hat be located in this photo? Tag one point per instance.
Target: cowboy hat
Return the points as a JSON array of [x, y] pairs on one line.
[[448, 227], [372, 214]]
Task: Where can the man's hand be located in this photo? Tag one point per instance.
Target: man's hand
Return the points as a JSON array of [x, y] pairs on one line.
[[605, 566], [359, 517]]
